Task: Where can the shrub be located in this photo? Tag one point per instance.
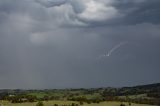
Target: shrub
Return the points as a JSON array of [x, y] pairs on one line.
[[55, 104], [122, 104], [81, 103], [72, 104], [76, 105], [39, 103], [89, 102]]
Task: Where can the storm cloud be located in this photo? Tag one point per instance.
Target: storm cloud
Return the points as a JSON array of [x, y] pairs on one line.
[[56, 43]]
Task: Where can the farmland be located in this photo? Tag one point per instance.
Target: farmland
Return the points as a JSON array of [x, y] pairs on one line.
[[144, 94], [61, 103]]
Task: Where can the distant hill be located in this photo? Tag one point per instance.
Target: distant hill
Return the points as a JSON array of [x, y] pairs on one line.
[[148, 86], [141, 89]]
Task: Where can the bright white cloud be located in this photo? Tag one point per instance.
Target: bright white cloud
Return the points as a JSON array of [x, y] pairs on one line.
[[97, 11]]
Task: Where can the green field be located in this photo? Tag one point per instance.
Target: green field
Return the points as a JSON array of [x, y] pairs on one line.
[[61, 103]]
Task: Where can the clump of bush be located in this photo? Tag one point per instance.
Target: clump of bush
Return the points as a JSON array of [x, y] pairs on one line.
[[74, 104], [40, 104], [81, 103], [55, 104], [122, 104]]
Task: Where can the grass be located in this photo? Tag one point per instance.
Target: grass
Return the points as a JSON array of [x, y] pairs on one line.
[[38, 94], [65, 93], [60, 103]]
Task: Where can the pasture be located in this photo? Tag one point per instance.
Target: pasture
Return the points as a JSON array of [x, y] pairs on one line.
[[68, 103]]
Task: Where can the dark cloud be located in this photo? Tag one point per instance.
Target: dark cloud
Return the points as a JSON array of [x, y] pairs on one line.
[[56, 44], [143, 12], [51, 3]]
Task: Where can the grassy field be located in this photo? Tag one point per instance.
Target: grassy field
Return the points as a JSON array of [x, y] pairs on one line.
[[60, 103]]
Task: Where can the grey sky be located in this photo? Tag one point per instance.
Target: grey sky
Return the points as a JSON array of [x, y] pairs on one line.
[[56, 43]]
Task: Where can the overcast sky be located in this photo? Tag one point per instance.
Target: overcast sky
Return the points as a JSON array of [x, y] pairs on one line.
[[79, 43]]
